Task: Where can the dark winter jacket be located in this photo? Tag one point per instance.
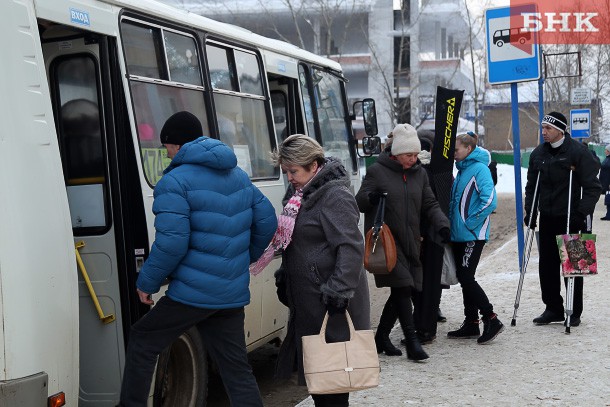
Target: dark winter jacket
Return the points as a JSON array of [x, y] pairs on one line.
[[409, 197], [473, 198], [211, 222], [554, 166], [322, 264], [604, 175]]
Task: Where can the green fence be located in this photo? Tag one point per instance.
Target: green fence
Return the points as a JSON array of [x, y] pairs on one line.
[[507, 157]]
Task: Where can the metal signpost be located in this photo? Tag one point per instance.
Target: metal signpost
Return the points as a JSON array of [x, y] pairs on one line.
[[513, 56]]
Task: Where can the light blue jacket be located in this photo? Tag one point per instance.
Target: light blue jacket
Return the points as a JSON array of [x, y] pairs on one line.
[[473, 198], [211, 222]]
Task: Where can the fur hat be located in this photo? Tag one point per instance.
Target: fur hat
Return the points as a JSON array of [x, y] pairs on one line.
[[405, 140], [181, 128], [556, 120]]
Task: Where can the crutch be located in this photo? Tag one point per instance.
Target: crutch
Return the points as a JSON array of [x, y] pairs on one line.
[[570, 288], [529, 238]]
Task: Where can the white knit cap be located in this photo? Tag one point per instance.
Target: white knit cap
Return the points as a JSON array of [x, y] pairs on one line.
[[405, 140], [608, 147]]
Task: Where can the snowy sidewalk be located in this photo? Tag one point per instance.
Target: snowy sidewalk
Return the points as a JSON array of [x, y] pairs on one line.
[[526, 365]]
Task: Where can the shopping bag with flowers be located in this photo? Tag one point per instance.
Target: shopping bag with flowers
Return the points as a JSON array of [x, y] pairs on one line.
[[577, 253]]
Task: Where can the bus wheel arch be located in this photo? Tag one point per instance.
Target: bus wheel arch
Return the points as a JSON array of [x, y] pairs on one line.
[[182, 373]]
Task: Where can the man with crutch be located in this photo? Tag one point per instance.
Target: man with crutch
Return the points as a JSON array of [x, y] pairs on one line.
[[549, 168]]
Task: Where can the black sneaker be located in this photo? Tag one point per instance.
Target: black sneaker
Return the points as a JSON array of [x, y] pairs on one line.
[[547, 317], [491, 328], [468, 330]]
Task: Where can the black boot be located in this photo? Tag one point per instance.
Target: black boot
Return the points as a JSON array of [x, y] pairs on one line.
[[405, 316], [382, 336], [414, 349]]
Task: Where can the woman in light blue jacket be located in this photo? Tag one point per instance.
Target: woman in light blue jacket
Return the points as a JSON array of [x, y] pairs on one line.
[[473, 199]]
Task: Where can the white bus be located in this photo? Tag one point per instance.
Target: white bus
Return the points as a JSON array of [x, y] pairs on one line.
[[85, 87]]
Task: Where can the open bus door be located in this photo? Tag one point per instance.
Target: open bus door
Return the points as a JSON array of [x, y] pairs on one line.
[[108, 215]]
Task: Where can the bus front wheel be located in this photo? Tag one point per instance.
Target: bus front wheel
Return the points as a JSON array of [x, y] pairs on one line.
[[182, 373]]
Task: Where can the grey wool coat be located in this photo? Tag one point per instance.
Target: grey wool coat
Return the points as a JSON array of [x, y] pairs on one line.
[[322, 264], [409, 198]]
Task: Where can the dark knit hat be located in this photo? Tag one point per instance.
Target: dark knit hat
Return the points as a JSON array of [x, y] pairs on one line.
[[557, 120], [426, 139], [181, 128]]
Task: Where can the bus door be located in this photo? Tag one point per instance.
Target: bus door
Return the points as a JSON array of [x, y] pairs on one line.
[[72, 60]]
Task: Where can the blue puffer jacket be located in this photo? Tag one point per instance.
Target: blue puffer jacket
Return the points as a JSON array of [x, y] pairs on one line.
[[211, 222], [473, 198]]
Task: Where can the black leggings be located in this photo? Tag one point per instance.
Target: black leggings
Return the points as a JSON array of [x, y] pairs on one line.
[[467, 256]]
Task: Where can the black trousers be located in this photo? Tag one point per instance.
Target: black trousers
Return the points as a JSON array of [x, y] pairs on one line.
[[222, 331], [427, 301], [331, 400], [467, 256], [549, 268]]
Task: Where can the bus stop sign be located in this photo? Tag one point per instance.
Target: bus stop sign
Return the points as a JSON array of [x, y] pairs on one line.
[[512, 55], [580, 123]]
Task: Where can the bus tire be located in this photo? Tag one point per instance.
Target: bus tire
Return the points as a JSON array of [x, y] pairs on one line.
[[500, 43], [182, 373]]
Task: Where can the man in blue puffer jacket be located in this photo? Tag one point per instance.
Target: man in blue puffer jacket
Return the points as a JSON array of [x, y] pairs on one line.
[[211, 223]]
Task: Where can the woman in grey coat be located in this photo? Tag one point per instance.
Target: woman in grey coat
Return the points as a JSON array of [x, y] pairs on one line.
[[409, 196], [322, 263]]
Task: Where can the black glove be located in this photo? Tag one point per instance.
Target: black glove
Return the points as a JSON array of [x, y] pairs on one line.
[[445, 234], [334, 309], [374, 197], [577, 222], [280, 284], [526, 220]]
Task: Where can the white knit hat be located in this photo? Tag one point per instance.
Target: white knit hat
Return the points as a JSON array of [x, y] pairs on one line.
[[405, 140]]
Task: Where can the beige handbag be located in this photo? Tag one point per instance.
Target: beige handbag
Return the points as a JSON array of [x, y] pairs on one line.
[[340, 367]]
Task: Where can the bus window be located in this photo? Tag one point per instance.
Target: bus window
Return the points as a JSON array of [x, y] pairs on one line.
[[153, 105], [248, 73], [327, 101], [164, 78], [182, 59], [143, 50], [81, 144], [307, 101], [221, 74], [241, 114], [279, 104], [331, 114]]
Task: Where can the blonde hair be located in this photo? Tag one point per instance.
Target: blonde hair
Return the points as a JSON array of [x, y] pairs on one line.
[[298, 149], [468, 139]]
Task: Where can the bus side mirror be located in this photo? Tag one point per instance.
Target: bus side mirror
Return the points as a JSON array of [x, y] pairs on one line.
[[370, 117], [371, 146]]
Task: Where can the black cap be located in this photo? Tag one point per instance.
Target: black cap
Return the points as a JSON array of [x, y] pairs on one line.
[[557, 120], [181, 128]]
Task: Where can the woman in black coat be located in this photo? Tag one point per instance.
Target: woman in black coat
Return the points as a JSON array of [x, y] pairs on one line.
[[409, 196]]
